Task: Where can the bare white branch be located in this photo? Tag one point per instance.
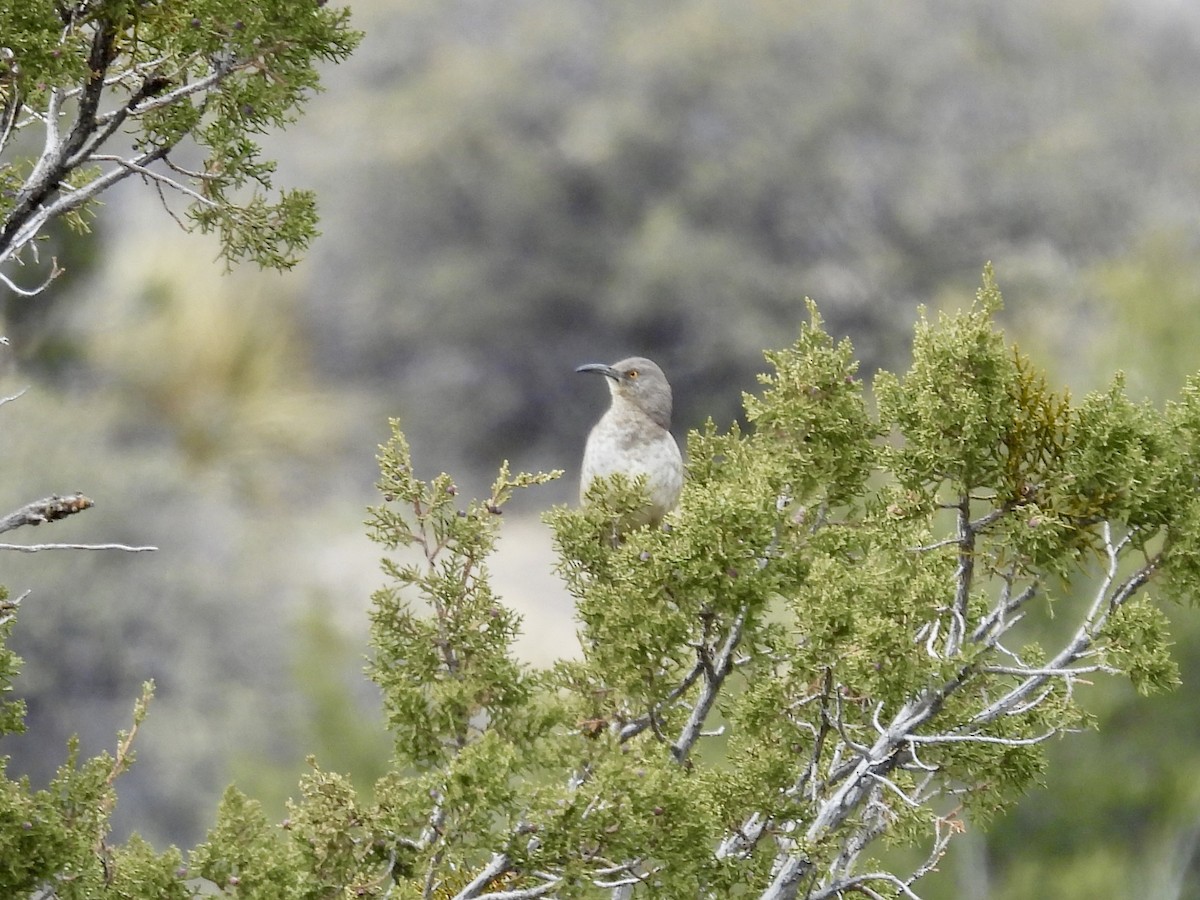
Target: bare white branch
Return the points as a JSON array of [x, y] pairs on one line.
[[51, 145], [168, 98], [839, 722], [35, 548], [963, 578], [637, 726], [710, 688], [618, 882], [861, 884], [944, 830], [1063, 672], [981, 739], [531, 893], [1108, 597], [997, 621], [157, 177], [494, 869], [913, 802], [70, 200], [742, 840], [1022, 708], [17, 396], [55, 271], [9, 607], [916, 762]]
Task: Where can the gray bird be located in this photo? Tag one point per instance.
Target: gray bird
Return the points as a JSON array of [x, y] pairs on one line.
[[633, 437]]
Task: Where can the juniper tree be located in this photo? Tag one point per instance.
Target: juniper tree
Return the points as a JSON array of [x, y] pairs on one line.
[[93, 92], [820, 653]]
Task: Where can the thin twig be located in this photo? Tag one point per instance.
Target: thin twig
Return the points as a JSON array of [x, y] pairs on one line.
[[16, 396], [34, 548], [55, 271], [158, 177], [637, 726]]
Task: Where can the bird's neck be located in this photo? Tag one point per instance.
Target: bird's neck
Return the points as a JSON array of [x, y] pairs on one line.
[[626, 411]]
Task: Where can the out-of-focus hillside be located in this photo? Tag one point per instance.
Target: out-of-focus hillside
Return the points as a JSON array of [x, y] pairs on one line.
[[509, 190], [567, 181]]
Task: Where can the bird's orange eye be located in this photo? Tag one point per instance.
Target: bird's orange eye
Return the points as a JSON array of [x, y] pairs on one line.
[[632, 373]]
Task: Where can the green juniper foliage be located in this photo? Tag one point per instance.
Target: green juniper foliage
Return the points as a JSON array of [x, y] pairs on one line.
[[94, 91], [820, 652]]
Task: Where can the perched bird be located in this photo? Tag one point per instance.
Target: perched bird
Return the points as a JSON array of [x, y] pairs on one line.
[[633, 437]]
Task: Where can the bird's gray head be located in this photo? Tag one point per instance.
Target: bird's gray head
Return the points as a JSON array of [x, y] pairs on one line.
[[641, 382]]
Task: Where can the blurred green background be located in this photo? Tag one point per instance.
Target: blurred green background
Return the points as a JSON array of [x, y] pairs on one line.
[[509, 190]]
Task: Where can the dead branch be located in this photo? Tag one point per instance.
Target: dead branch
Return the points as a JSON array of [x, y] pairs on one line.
[[49, 509]]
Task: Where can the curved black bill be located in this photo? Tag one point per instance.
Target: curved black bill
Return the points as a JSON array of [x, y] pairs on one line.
[[600, 368]]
